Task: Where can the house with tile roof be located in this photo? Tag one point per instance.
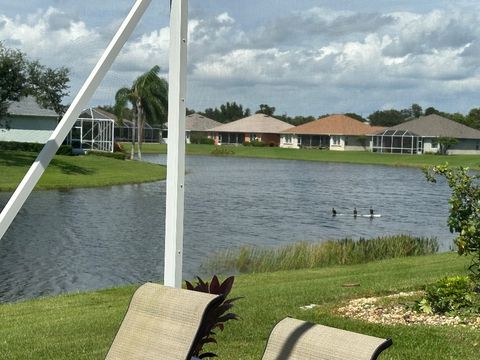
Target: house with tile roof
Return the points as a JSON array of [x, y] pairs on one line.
[[198, 126], [258, 127], [27, 121], [334, 132], [421, 135]]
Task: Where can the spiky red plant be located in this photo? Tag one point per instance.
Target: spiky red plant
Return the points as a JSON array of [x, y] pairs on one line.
[[219, 315]]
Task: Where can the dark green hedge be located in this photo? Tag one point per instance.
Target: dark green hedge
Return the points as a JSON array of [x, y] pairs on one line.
[[114, 155], [32, 147]]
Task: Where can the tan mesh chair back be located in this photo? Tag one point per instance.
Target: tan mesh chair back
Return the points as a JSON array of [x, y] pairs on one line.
[[161, 323], [299, 340]]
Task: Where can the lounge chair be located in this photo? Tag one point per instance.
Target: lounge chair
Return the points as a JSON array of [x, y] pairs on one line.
[[299, 340], [162, 323]]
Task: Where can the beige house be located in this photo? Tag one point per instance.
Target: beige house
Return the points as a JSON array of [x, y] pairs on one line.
[[258, 127], [335, 132]]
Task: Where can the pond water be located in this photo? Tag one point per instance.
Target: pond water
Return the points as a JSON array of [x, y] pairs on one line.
[[84, 239]]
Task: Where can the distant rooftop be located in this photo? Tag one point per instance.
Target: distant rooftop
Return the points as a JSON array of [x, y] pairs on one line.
[[334, 125], [197, 122], [437, 126], [28, 106], [258, 123]]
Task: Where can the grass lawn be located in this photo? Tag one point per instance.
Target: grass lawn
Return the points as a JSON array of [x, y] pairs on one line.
[[82, 326], [354, 157], [76, 171]]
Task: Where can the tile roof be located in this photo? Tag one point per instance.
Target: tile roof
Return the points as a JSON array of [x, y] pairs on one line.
[[334, 125], [258, 123], [197, 122], [437, 126], [28, 106]]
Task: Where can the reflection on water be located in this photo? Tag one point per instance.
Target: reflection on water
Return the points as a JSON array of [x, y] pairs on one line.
[[94, 238]]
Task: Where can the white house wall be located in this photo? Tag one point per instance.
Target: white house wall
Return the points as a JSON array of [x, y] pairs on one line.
[[345, 143], [32, 123], [430, 145], [337, 143], [293, 144], [29, 129]]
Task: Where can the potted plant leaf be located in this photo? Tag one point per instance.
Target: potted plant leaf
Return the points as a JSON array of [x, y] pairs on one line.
[[218, 316]]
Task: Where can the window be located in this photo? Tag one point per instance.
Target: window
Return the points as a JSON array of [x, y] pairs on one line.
[[253, 137], [434, 143], [288, 139]]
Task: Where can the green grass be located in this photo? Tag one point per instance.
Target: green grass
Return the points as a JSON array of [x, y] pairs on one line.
[[353, 157], [305, 255], [67, 172], [82, 326]]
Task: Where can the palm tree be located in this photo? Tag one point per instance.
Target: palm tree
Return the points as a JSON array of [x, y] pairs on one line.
[[148, 98]]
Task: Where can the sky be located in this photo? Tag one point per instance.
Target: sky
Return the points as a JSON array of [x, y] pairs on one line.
[[303, 57]]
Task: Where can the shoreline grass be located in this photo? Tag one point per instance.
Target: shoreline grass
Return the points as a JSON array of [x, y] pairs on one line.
[[310, 255], [67, 172], [82, 326], [350, 157]]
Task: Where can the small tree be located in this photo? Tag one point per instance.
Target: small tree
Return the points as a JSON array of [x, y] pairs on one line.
[[363, 140], [464, 217], [446, 143], [20, 76]]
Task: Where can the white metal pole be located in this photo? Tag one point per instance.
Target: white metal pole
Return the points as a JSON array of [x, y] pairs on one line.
[[61, 131], [112, 129], [176, 143]]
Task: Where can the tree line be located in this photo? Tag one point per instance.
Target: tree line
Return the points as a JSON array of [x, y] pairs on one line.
[[231, 111]]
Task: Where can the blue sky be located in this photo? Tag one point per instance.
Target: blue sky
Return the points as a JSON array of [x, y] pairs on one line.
[[304, 57]]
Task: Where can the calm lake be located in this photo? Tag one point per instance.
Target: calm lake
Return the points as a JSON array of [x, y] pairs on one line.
[[84, 239]]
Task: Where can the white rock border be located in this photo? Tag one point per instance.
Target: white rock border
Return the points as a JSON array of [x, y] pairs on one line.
[[369, 309]]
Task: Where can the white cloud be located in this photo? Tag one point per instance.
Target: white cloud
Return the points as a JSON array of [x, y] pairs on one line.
[[339, 60], [43, 36], [403, 53], [225, 18], [150, 49]]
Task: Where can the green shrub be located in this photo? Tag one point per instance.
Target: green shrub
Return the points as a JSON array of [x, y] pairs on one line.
[[114, 155], [254, 143], [453, 295], [32, 147], [258, 143], [206, 141], [222, 150], [463, 219], [200, 138]]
